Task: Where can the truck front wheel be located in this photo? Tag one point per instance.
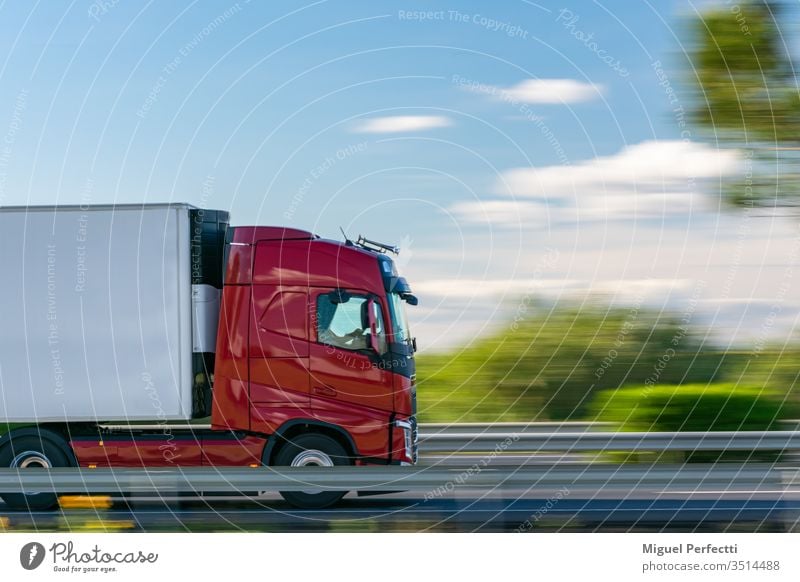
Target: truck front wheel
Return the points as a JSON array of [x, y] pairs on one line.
[[312, 450], [30, 452]]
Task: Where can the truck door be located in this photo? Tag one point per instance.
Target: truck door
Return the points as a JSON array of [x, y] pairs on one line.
[[279, 346], [344, 368]]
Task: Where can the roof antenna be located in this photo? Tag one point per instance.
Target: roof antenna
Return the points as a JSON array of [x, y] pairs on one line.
[[347, 241]]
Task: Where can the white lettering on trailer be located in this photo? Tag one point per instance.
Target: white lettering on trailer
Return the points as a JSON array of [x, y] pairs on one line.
[[52, 326]]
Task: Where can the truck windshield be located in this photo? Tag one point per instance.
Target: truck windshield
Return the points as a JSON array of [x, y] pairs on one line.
[[399, 320]]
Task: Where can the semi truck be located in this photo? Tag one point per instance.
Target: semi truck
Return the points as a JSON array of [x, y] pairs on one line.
[[158, 335]]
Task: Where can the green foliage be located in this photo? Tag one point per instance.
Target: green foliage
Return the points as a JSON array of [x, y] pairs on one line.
[[693, 407], [744, 74], [561, 363], [746, 97], [690, 407], [548, 364], [776, 367]]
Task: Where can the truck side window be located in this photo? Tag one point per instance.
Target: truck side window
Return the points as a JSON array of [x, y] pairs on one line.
[[343, 325]]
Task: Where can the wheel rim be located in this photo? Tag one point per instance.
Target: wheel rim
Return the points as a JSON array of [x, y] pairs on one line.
[[312, 458], [31, 460]]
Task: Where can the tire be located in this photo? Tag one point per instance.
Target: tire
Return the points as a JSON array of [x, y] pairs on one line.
[[308, 450], [32, 452]]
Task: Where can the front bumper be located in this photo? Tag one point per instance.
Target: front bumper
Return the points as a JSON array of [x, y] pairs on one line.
[[407, 447]]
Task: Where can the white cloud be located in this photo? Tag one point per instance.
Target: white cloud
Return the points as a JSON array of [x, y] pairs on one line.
[[401, 123], [651, 179], [624, 291], [657, 165], [506, 212], [548, 91]]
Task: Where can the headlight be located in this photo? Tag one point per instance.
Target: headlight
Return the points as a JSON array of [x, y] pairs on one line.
[[408, 437]]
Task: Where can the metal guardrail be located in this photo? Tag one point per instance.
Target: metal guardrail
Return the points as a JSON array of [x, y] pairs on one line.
[[513, 427], [513, 442], [543, 427], [575, 437], [392, 478], [456, 443], [437, 428]]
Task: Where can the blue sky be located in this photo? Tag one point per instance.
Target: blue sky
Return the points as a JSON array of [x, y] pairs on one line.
[[479, 134]]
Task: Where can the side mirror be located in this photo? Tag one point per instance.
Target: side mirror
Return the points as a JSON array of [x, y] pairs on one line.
[[410, 299], [373, 327], [339, 296]]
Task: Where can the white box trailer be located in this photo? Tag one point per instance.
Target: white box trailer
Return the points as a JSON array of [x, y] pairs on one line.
[[108, 313]]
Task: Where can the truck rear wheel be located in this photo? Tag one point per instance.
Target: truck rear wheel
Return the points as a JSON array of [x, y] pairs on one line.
[[312, 450], [31, 452]]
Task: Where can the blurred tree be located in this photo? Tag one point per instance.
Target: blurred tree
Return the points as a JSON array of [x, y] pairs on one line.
[[747, 97], [774, 367], [693, 407], [549, 364]]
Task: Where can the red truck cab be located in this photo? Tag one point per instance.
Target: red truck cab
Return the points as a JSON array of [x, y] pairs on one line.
[[314, 365], [313, 333]]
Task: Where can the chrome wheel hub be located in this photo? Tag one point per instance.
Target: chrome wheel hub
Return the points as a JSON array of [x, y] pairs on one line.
[[312, 458], [31, 460]]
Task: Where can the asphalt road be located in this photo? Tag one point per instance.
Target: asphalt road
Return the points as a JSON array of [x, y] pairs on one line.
[[509, 511]]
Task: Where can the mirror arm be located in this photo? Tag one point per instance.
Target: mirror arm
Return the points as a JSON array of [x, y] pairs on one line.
[[373, 326]]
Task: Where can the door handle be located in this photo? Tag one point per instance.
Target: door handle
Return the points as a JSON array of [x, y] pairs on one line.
[[324, 391]]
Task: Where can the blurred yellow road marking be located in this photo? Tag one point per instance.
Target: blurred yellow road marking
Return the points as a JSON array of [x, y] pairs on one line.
[[85, 501], [108, 524]]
